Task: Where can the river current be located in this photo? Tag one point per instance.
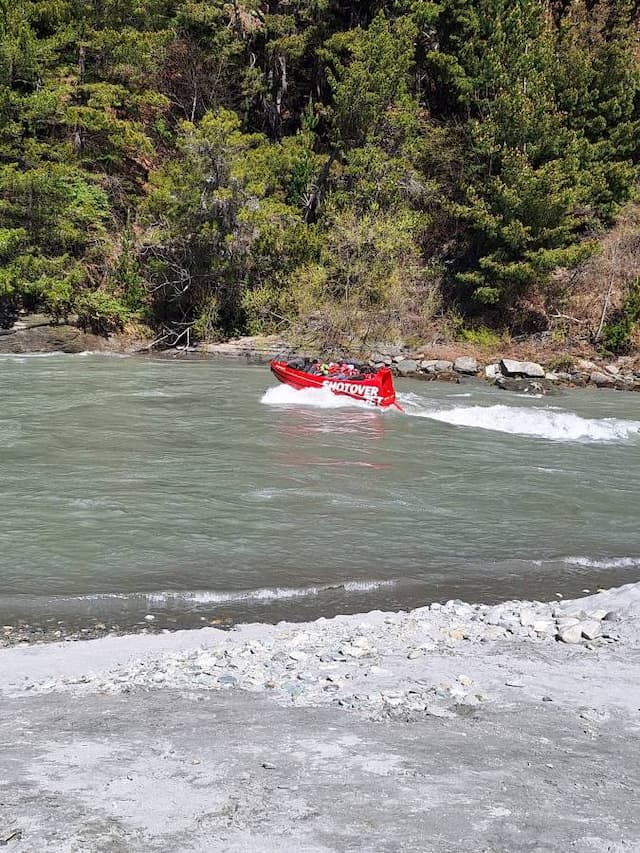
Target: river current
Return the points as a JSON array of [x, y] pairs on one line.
[[197, 490]]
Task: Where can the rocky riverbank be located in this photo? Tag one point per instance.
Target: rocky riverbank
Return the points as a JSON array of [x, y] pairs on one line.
[[37, 333], [444, 363], [454, 726], [511, 370], [337, 661]]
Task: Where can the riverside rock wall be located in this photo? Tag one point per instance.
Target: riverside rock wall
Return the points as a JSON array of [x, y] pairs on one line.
[[509, 373], [36, 334]]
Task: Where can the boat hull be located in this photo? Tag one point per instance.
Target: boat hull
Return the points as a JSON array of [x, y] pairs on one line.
[[377, 390]]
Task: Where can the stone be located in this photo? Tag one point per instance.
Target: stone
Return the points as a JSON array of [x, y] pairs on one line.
[[491, 371], [611, 616], [465, 364], [591, 629], [527, 369], [596, 614], [495, 632], [543, 626], [528, 617], [457, 634], [52, 339], [434, 365], [149, 618], [601, 380], [571, 635], [525, 386], [494, 615], [406, 366]]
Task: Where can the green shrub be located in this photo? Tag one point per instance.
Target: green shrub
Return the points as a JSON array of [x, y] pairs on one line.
[[206, 326], [480, 336], [616, 337], [101, 312], [563, 363]]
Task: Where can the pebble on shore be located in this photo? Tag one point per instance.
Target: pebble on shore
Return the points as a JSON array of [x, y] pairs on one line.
[[377, 664]]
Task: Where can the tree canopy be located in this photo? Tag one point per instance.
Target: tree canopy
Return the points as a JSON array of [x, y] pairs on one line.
[[216, 167]]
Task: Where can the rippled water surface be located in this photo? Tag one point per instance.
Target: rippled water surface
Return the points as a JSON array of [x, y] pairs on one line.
[[195, 489]]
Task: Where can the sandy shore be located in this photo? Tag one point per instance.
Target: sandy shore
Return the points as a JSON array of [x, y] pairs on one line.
[[452, 727]]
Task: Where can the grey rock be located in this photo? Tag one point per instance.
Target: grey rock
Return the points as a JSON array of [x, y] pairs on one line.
[[494, 616], [436, 365], [491, 371], [465, 364], [406, 366], [32, 321], [525, 386], [591, 629], [543, 626], [571, 635], [601, 380], [528, 617], [611, 616], [231, 680], [51, 339], [596, 614], [527, 369]]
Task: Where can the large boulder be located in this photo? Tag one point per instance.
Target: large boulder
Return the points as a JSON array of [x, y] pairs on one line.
[[436, 365], [526, 369], [526, 386], [51, 339], [465, 364], [407, 367], [255, 349], [602, 380]]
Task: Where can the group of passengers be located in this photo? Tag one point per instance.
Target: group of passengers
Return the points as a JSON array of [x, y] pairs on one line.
[[335, 370], [331, 369]]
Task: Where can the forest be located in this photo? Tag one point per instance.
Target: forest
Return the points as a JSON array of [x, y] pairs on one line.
[[202, 168]]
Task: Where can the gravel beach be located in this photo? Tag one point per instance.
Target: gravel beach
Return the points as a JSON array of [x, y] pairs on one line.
[[451, 727]]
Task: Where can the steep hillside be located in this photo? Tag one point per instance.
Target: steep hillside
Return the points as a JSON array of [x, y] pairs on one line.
[[357, 170]]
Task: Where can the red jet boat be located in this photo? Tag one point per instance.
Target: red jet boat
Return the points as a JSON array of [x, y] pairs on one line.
[[374, 387]]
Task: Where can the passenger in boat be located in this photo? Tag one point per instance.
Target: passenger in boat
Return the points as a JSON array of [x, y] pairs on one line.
[[346, 371]]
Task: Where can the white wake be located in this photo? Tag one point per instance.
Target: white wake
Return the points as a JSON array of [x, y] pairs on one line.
[[551, 424], [320, 398]]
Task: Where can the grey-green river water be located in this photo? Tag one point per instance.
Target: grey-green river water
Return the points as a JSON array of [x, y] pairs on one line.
[[196, 489]]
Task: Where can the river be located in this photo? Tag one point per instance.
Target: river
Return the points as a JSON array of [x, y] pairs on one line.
[[192, 490]]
